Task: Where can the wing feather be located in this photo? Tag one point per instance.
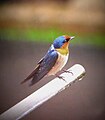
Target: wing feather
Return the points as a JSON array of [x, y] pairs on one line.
[[43, 67]]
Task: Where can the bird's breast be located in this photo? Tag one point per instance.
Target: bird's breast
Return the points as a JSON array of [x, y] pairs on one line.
[[60, 63]]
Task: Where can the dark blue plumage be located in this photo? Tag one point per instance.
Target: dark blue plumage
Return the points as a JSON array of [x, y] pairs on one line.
[[43, 67], [58, 44]]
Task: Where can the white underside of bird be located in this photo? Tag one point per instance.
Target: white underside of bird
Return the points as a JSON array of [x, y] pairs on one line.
[[61, 61]]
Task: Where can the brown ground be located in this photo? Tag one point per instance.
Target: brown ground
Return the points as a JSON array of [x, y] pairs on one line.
[[84, 100]]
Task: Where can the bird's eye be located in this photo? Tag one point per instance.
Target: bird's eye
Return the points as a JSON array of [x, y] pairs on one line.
[[64, 41], [67, 39]]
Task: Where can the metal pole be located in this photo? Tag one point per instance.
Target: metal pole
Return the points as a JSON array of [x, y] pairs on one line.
[[43, 94]]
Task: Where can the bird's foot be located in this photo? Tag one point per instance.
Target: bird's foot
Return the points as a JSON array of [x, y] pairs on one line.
[[68, 71], [60, 77]]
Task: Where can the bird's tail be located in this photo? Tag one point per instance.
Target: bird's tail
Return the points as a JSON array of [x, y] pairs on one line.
[[30, 76]]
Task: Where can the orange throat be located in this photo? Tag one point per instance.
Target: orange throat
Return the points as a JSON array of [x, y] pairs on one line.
[[65, 45], [64, 49]]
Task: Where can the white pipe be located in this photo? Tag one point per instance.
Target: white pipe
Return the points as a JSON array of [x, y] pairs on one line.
[[43, 94]]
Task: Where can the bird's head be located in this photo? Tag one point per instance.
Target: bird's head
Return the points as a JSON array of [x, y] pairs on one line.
[[61, 43]]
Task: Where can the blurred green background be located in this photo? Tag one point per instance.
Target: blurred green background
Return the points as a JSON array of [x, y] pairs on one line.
[[43, 21]]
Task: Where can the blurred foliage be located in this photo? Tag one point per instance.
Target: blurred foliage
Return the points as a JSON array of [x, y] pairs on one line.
[[49, 34], [44, 21]]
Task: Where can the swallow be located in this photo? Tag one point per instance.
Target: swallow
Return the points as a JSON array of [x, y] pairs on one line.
[[53, 61]]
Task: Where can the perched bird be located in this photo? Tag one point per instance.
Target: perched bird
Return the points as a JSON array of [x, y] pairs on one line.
[[54, 60]]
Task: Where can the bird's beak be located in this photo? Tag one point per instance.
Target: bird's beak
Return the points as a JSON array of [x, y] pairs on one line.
[[72, 37]]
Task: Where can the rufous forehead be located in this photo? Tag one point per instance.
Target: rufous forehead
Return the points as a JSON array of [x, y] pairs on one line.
[[67, 37]]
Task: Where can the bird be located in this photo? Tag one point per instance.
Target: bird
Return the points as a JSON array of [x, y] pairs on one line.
[[53, 61]]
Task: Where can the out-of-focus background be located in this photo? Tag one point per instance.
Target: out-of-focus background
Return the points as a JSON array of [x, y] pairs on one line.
[[27, 29]]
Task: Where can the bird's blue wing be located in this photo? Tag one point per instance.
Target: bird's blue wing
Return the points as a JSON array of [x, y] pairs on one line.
[[43, 67]]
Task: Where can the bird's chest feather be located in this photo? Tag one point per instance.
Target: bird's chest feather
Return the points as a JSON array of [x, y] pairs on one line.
[[60, 63]]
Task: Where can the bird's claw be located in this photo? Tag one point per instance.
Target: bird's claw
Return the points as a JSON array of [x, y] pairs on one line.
[[67, 71], [61, 77]]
